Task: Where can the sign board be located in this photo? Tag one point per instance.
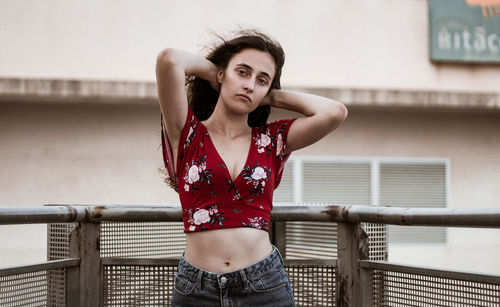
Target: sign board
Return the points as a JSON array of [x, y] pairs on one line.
[[465, 31]]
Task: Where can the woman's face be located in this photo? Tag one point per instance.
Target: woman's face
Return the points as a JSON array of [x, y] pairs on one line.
[[246, 80]]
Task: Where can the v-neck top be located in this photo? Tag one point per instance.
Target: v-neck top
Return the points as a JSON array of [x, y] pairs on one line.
[[209, 197]]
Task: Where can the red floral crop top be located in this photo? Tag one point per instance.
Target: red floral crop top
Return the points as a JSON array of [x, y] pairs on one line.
[[210, 199]]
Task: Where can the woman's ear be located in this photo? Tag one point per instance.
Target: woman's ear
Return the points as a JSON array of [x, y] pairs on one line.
[[220, 75]]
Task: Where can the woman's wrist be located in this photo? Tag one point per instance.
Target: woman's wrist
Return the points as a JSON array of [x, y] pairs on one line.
[[204, 69], [270, 99]]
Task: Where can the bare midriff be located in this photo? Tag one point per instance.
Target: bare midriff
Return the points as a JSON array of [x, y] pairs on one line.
[[227, 250]]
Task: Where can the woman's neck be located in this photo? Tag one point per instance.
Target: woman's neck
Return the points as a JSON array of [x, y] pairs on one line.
[[227, 123]]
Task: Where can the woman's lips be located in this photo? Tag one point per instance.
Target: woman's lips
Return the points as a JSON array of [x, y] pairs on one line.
[[244, 97]]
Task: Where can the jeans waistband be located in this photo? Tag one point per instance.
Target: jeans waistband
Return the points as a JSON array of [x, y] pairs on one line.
[[236, 277]]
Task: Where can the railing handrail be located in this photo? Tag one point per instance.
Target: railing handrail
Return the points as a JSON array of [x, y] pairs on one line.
[[449, 217], [427, 271]]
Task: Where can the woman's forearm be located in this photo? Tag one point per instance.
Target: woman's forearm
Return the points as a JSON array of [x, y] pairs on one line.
[[322, 116], [188, 63], [307, 104]]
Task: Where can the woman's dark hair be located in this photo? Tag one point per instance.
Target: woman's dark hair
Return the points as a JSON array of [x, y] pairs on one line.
[[202, 97]]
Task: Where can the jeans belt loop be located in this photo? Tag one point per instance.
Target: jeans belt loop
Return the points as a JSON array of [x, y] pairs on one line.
[[281, 258], [198, 280], [244, 279]]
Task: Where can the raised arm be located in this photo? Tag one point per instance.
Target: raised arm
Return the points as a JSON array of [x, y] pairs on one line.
[[172, 66], [322, 116]]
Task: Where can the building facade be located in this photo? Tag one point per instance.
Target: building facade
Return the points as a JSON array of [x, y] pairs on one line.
[[79, 120]]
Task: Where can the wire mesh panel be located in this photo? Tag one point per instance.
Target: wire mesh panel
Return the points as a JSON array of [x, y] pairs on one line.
[[145, 240], [311, 240], [318, 240], [33, 289], [377, 240], [128, 284], [58, 240], [313, 285], [138, 285], [411, 289], [123, 239]]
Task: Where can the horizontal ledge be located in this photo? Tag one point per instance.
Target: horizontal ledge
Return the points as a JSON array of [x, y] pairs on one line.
[[286, 212], [44, 266], [140, 92], [425, 271]]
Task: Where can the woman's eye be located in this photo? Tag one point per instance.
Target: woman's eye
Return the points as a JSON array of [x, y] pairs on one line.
[[242, 72], [262, 81]]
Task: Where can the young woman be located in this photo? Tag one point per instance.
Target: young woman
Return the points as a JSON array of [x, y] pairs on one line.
[[225, 161]]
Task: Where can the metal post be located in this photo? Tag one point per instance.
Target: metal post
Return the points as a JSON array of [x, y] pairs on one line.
[[366, 281], [85, 283], [278, 237], [352, 247]]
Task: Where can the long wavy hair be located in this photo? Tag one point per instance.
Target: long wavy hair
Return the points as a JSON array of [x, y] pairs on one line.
[[203, 98]]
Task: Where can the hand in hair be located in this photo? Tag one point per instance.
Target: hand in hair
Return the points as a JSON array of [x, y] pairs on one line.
[[268, 99], [215, 84]]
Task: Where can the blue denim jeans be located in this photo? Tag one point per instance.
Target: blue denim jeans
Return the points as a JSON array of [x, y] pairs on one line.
[[264, 283]]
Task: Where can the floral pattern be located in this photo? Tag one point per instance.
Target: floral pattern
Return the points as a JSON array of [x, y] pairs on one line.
[[257, 222], [199, 218], [280, 139], [231, 185], [279, 145], [204, 179], [190, 136], [264, 141], [257, 177], [196, 173]]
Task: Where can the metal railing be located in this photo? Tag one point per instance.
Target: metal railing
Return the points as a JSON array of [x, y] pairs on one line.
[[127, 256]]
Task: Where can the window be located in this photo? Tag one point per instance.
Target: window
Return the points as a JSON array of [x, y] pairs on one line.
[[414, 183]]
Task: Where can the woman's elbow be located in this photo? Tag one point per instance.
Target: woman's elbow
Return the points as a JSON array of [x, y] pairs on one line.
[[337, 113], [167, 57]]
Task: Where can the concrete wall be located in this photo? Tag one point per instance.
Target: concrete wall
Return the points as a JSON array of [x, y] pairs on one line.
[[342, 43], [54, 153], [88, 154]]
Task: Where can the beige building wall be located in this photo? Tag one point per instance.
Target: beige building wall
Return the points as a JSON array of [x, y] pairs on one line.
[[107, 153], [339, 43]]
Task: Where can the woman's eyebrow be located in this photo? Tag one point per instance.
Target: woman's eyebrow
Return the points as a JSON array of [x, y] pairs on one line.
[[250, 68]]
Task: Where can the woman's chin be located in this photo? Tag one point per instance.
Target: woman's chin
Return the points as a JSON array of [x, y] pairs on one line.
[[242, 108]]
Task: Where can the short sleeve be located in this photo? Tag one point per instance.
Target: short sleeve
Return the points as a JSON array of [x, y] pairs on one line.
[[279, 132], [172, 179]]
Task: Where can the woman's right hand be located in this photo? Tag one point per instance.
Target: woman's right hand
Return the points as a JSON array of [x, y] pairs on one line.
[[215, 84], [268, 100]]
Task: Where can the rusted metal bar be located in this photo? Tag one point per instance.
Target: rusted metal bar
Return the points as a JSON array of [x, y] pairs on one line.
[[49, 265], [87, 286], [420, 270], [352, 243], [278, 236], [451, 217], [366, 282], [68, 214], [41, 214]]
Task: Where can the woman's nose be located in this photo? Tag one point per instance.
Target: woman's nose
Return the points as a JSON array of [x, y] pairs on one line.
[[248, 85]]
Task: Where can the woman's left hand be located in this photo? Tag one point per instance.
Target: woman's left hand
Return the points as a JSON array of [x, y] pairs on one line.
[[268, 100]]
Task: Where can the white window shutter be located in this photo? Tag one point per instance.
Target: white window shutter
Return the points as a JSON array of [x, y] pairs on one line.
[[329, 182], [284, 192], [336, 182], [414, 185]]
